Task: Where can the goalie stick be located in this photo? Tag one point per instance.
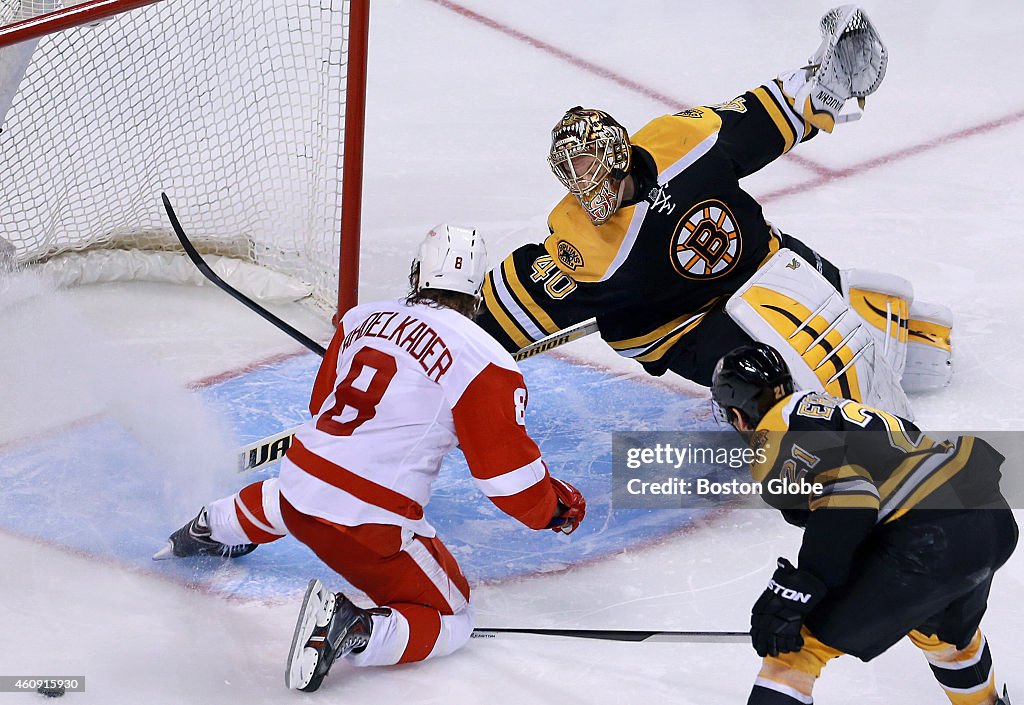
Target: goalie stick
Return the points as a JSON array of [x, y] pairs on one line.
[[566, 335], [272, 448], [698, 637]]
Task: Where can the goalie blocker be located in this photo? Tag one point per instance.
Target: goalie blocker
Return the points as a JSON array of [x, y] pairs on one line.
[[854, 347]]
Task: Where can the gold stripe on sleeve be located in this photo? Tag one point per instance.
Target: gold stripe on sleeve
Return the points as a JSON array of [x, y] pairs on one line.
[[527, 301], [860, 500], [843, 472], [495, 309], [937, 479], [781, 123]]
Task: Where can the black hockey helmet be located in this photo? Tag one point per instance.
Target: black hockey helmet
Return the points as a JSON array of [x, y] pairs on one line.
[[751, 378]]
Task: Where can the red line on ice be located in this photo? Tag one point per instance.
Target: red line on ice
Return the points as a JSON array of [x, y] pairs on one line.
[[826, 174], [898, 155], [597, 70], [244, 369]]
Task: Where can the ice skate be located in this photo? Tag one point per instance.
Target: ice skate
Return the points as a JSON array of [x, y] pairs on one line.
[[329, 626], [194, 539]]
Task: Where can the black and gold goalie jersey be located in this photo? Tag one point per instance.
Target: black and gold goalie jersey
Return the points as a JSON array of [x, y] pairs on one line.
[[689, 239], [821, 452]]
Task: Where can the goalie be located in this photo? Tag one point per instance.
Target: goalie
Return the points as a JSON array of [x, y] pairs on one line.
[[658, 242]]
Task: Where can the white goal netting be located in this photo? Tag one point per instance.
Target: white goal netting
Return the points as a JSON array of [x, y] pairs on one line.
[[235, 109]]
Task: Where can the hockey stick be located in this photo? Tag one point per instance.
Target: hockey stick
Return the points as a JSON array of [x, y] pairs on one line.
[[562, 337], [704, 637], [266, 450], [566, 335], [200, 263], [272, 448]]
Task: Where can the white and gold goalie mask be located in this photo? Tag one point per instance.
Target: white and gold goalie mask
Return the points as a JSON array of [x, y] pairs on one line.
[[590, 154]]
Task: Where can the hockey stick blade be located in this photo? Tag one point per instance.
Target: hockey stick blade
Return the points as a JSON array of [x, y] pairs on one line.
[[703, 637], [207, 272], [266, 450]]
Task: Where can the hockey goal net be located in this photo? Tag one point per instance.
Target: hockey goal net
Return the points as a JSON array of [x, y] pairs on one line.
[[247, 114]]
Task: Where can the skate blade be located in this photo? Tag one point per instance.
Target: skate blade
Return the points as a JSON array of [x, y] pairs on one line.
[[304, 626], [164, 553]]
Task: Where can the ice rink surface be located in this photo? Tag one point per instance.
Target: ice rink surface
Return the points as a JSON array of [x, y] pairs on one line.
[[461, 100]]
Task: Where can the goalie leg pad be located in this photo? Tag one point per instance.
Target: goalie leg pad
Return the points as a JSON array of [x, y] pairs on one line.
[[929, 348], [827, 346], [883, 301]]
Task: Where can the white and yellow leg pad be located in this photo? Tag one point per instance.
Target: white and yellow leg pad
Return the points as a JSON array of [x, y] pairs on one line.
[[792, 307], [883, 301], [929, 348]]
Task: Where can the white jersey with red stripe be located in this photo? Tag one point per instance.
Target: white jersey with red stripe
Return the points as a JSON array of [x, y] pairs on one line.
[[399, 387]]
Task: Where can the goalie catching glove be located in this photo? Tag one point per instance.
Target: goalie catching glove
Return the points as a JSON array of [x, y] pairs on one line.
[[571, 508], [778, 615], [849, 63]]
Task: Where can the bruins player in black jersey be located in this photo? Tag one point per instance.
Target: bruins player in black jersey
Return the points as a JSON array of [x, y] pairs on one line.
[[656, 234], [902, 534]]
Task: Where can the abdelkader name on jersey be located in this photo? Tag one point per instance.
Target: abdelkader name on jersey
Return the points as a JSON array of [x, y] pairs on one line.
[[410, 333]]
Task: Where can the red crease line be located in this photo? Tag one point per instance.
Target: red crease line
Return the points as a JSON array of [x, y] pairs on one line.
[[244, 369]]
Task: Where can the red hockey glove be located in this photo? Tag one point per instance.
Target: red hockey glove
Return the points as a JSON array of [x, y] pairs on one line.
[[571, 509]]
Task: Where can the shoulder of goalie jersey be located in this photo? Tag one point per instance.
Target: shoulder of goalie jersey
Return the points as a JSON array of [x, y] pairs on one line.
[[582, 250], [671, 138]]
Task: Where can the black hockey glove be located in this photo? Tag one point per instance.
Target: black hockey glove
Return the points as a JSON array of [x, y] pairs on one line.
[[779, 613]]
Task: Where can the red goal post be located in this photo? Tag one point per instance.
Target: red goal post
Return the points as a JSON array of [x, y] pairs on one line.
[[250, 115]]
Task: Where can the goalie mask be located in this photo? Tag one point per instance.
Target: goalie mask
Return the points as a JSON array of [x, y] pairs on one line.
[[451, 258], [590, 154]]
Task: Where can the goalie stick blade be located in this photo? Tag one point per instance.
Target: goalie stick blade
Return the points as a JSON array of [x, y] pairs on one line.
[[558, 339], [700, 637], [202, 266]]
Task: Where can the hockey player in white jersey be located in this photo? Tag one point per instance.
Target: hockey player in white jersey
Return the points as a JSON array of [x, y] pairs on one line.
[[401, 383]]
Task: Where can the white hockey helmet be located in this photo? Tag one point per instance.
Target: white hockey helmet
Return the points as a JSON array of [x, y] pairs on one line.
[[453, 259]]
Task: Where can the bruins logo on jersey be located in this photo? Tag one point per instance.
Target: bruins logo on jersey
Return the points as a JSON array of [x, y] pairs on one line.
[[707, 242], [569, 255]]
